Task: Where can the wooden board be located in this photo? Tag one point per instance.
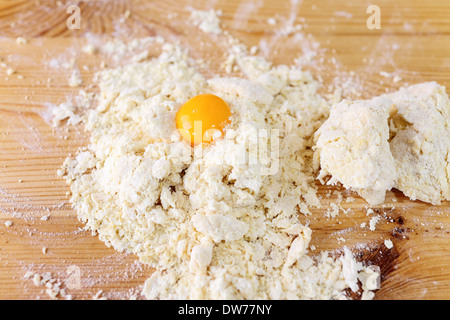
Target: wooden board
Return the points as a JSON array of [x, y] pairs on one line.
[[335, 44]]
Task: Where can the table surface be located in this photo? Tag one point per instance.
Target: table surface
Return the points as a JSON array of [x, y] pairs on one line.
[[334, 43]]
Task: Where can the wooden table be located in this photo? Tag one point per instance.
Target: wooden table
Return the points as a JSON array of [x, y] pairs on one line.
[[335, 43]]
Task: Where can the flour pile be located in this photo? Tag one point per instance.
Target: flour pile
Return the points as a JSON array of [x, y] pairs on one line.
[[220, 221], [213, 223]]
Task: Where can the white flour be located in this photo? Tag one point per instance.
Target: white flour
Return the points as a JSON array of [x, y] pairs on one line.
[[214, 224]]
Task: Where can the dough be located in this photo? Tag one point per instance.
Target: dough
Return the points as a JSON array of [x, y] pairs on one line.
[[399, 140], [354, 149], [420, 131]]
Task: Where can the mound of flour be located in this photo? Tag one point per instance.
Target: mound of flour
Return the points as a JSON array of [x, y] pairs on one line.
[[218, 222]]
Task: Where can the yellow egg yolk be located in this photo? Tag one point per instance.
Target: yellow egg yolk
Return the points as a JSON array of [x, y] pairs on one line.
[[202, 118]]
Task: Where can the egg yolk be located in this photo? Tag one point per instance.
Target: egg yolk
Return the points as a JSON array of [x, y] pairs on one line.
[[202, 119]]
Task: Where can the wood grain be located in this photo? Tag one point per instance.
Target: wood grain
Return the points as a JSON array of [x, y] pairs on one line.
[[335, 45]]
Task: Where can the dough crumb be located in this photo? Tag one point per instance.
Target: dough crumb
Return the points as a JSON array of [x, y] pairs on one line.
[[53, 287], [21, 40], [207, 21], [388, 243], [75, 79], [373, 223]]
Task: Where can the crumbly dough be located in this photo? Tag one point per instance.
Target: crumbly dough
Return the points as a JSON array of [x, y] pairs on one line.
[[399, 140], [213, 224], [354, 148], [420, 141]]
